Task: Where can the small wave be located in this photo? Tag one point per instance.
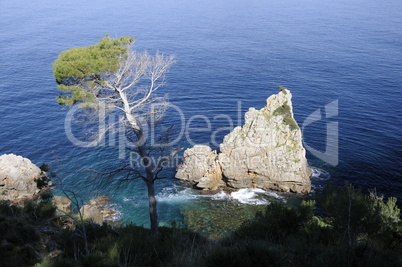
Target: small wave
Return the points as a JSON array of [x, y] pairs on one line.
[[175, 194], [318, 178], [319, 174], [250, 196], [220, 196], [117, 216], [134, 201], [179, 194], [274, 195]]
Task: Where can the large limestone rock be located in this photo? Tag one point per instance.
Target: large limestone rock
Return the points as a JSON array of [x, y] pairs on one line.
[[19, 178], [266, 152], [201, 168]]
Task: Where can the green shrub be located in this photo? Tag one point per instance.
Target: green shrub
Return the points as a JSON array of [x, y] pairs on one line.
[[282, 110], [40, 210], [277, 222], [44, 167], [357, 214], [46, 210], [283, 89], [285, 111], [291, 122]]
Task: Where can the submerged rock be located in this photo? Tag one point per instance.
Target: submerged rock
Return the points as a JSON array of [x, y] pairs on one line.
[[20, 178], [266, 152]]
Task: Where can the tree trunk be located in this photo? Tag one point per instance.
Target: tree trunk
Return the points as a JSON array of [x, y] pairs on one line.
[[149, 181], [153, 215]]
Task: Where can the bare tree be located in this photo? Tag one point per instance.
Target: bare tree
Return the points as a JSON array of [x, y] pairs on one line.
[[140, 105], [129, 89]]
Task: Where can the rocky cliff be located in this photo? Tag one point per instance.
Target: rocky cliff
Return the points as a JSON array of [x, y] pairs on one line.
[[266, 152], [19, 178]]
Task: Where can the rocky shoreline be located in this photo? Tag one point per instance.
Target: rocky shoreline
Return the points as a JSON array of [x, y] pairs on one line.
[[22, 181], [266, 153]]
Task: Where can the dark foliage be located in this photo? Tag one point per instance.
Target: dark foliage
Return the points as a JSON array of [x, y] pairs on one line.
[[353, 229], [342, 228], [19, 236]]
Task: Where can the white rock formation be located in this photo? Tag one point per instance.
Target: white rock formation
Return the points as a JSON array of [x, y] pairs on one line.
[[18, 177], [267, 153], [201, 168]]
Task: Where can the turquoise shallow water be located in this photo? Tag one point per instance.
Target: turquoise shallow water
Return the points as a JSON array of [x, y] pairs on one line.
[[226, 51]]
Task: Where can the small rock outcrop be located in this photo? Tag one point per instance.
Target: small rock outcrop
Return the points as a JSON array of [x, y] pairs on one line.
[[99, 210], [62, 203], [201, 168], [20, 178], [266, 152]]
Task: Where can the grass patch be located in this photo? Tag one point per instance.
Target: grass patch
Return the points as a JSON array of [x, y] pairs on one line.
[[291, 122], [282, 110], [283, 89], [285, 111]]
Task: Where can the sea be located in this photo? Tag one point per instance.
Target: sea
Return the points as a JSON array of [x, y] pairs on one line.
[[342, 61]]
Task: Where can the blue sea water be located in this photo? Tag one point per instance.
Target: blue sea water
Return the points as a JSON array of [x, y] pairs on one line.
[[226, 52]]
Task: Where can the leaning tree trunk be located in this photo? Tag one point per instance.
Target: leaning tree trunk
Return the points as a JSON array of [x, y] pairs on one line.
[[153, 214]]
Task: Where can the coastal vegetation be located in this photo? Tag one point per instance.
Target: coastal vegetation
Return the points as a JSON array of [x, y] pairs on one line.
[[343, 224], [286, 112]]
